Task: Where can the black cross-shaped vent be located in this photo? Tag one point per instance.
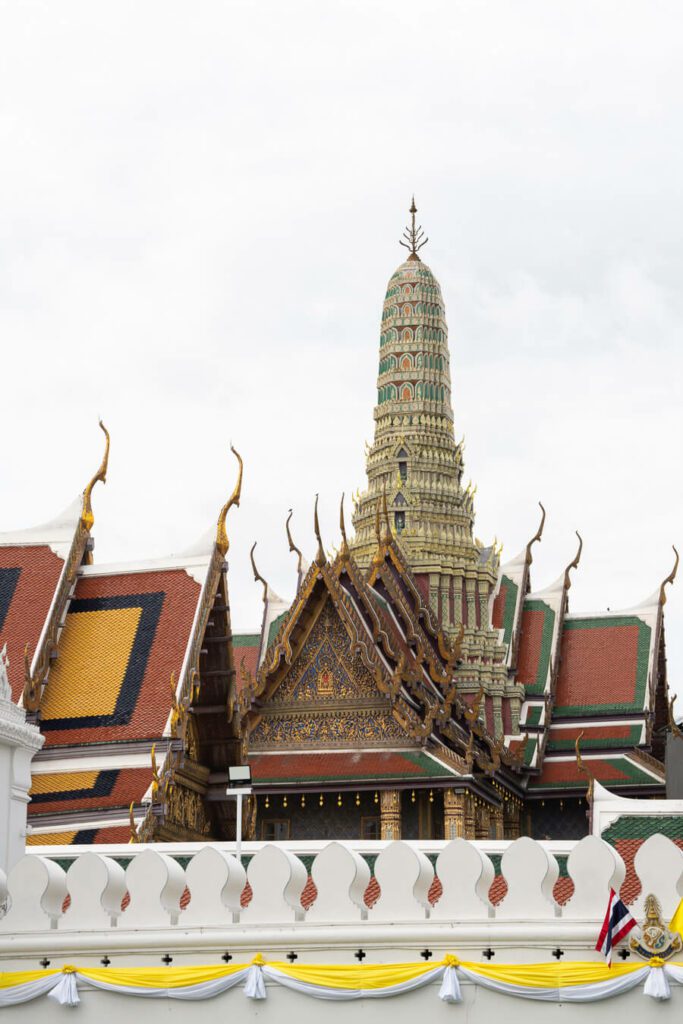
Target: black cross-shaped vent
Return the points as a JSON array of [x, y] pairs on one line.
[[488, 953], [360, 955]]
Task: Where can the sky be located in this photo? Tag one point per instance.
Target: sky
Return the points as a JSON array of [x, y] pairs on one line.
[[200, 207]]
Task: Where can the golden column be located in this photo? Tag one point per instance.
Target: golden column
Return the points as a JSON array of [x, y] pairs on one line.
[[453, 814], [390, 810]]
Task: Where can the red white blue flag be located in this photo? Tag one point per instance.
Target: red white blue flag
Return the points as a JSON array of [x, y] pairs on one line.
[[617, 924]]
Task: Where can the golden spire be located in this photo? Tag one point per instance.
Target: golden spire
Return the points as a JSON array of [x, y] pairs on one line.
[[257, 575], [156, 779], [134, 835], [414, 237], [222, 542], [674, 729], [87, 517], [320, 556], [574, 564], [669, 579], [292, 545], [342, 528], [175, 708], [537, 536]]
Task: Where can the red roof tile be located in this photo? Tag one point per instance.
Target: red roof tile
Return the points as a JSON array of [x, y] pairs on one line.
[[323, 767], [604, 665], [115, 788], [28, 580], [170, 597]]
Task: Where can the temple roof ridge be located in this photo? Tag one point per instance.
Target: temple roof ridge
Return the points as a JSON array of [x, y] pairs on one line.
[[195, 564]]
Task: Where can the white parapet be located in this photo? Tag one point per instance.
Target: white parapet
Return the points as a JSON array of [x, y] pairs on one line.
[[157, 908]]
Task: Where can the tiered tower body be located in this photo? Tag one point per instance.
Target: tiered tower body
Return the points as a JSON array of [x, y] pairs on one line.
[[416, 462]]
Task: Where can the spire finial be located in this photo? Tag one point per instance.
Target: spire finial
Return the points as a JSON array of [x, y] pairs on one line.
[[292, 545], [342, 528], [257, 575], [574, 564], [414, 236], [669, 579], [537, 536], [87, 517], [320, 556], [222, 542]]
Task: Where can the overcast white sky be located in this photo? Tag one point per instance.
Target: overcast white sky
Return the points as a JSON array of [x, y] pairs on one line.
[[199, 210]]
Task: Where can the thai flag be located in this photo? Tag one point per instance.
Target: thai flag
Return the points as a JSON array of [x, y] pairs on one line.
[[617, 924]]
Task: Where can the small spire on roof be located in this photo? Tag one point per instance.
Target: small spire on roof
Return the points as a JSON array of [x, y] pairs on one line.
[[342, 528], [257, 575], [669, 579], [320, 555], [574, 564], [87, 517], [537, 536], [222, 542], [385, 513], [584, 771], [414, 237], [292, 545]]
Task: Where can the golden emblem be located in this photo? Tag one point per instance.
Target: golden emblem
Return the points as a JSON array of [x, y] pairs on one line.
[[654, 938]]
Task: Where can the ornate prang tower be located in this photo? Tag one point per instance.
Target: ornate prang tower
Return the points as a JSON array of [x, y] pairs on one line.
[[415, 460]]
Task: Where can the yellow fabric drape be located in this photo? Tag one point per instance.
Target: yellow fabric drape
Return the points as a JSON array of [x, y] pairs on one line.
[[365, 976]]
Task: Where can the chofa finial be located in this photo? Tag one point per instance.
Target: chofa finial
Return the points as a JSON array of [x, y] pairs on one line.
[[669, 579], [87, 517], [574, 564], [222, 542], [292, 545], [537, 536], [257, 575], [342, 528], [414, 237], [320, 556]]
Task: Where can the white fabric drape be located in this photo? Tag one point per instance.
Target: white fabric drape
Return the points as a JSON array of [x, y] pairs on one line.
[[345, 994], [656, 979], [191, 993], [29, 990], [570, 994]]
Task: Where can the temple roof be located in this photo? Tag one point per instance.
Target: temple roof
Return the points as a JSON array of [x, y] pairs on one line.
[[336, 766], [129, 630], [36, 570]]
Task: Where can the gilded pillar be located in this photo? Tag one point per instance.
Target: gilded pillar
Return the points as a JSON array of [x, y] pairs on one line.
[[496, 819], [511, 820], [470, 817], [390, 811], [453, 814], [481, 821]]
